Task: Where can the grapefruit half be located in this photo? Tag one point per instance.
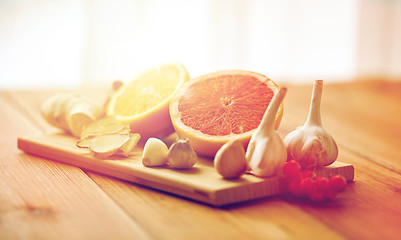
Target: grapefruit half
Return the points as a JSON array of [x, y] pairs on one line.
[[214, 108]]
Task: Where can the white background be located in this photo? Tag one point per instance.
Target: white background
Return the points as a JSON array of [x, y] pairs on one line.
[[75, 43]]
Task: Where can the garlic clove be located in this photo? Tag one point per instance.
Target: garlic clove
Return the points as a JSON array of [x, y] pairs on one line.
[[230, 161], [181, 155], [154, 153], [311, 145]]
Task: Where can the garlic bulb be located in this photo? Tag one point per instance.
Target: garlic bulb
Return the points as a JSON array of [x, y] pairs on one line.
[[266, 153], [230, 161], [181, 154], [311, 145]]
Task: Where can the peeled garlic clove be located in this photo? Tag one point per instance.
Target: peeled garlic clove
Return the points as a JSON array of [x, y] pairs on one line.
[[230, 161], [154, 153], [311, 145], [181, 154], [106, 145]]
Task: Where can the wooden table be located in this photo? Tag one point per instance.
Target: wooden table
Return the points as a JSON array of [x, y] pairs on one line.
[[43, 199]]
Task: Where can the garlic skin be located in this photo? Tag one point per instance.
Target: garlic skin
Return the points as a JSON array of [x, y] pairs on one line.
[[230, 161], [181, 155], [266, 153], [311, 145], [154, 153]]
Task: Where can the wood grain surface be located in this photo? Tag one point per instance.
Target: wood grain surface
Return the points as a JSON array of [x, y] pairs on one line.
[[42, 199]]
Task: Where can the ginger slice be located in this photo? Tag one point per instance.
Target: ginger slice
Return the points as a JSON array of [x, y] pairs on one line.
[[78, 121], [130, 144], [85, 142], [103, 126], [106, 145]]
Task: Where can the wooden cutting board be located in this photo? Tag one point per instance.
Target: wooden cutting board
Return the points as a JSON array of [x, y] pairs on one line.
[[201, 183]]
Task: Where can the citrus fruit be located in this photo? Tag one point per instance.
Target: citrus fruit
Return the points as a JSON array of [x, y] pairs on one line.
[[143, 103], [214, 108]]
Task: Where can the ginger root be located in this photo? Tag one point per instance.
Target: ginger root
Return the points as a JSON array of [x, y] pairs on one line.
[[129, 146], [103, 126], [107, 136], [71, 112], [81, 116]]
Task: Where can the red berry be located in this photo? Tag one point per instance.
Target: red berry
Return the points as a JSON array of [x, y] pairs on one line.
[[307, 185], [321, 190], [295, 188], [308, 173], [291, 169], [338, 183], [317, 196], [323, 184]]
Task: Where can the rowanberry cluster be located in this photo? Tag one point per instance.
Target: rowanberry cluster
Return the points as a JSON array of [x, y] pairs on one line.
[[306, 183]]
